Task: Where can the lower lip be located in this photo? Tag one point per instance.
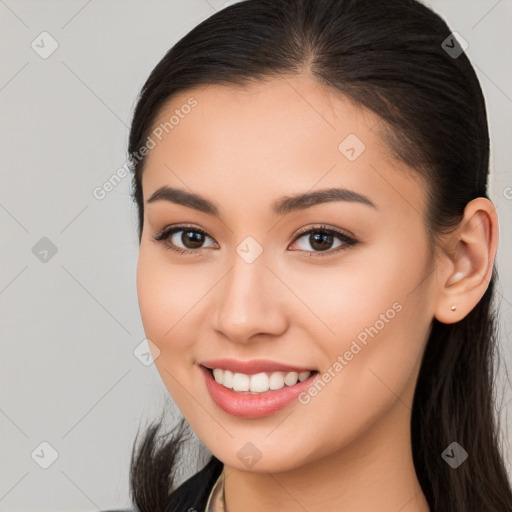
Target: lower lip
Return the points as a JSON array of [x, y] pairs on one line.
[[253, 406]]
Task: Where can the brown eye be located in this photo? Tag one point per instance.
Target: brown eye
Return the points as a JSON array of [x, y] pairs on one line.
[[195, 241], [321, 240], [191, 238]]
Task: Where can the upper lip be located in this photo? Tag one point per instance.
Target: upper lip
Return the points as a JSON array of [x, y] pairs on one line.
[[253, 366]]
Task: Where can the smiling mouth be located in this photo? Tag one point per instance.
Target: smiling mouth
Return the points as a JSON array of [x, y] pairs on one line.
[[257, 383]]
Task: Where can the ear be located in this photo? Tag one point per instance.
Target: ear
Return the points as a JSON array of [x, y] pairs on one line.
[[466, 268]]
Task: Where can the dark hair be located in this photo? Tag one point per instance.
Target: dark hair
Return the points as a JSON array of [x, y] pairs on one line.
[[393, 58]]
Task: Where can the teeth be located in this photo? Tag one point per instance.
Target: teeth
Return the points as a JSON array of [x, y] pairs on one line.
[[218, 375], [258, 382], [304, 375], [241, 382]]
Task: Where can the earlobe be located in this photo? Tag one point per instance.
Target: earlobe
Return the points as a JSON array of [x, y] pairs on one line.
[[467, 270]]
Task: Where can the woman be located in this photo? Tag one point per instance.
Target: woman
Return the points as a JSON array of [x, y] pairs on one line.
[[316, 263]]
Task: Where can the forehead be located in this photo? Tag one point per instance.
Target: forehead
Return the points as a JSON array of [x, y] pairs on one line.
[[299, 104], [286, 134]]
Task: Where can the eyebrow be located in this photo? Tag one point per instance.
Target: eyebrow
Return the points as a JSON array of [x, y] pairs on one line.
[[282, 206]]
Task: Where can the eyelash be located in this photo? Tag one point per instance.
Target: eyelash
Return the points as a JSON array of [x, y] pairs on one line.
[[163, 235]]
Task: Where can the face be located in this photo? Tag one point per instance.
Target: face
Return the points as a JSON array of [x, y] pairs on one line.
[[339, 287]]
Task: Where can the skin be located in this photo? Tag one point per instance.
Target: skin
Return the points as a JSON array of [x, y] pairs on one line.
[[349, 448]]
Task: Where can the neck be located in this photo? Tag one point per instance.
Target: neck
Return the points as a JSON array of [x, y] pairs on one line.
[[374, 472]]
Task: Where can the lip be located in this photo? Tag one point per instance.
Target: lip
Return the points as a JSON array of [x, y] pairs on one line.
[[253, 366], [246, 405]]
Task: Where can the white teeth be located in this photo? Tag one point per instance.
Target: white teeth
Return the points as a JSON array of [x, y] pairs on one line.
[[303, 375], [241, 382], [291, 378], [227, 379], [258, 382], [276, 380]]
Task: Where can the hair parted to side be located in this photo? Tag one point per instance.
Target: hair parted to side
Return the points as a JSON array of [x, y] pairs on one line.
[[386, 56]]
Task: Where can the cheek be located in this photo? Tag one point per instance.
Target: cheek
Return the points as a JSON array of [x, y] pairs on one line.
[[379, 330], [372, 318], [166, 297], [175, 305], [372, 286], [164, 294]]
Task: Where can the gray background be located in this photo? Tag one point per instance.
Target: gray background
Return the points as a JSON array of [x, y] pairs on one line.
[[70, 324]]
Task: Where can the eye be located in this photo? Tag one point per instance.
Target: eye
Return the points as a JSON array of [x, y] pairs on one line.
[[191, 237], [321, 239]]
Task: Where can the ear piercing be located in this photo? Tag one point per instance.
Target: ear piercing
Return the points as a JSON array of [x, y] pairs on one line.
[[454, 307]]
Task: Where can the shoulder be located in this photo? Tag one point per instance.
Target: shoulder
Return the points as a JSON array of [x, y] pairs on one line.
[[195, 490]]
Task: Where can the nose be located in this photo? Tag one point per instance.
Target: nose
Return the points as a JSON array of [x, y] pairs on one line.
[[250, 302]]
